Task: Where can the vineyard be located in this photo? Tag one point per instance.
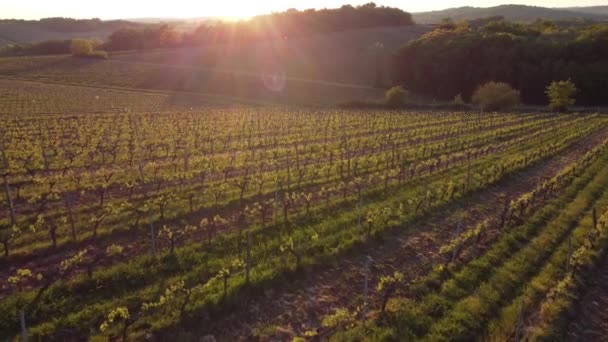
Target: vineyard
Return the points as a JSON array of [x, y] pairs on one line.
[[127, 73], [130, 215]]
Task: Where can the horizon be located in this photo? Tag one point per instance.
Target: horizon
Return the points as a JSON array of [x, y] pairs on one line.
[[33, 10]]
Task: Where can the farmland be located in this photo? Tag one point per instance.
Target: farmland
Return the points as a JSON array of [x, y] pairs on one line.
[[147, 214], [181, 78]]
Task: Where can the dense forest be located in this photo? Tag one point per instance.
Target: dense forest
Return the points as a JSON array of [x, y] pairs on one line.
[[456, 58]]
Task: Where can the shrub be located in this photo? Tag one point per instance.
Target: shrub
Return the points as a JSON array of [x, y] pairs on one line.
[[561, 95], [81, 47], [496, 95], [458, 100], [396, 96]]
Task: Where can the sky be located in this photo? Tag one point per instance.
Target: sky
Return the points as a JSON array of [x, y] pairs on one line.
[[116, 9]]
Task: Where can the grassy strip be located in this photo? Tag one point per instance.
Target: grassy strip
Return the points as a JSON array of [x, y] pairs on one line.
[[414, 318], [470, 314], [506, 325]]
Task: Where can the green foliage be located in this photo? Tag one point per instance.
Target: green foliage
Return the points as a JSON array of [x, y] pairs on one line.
[[458, 100], [561, 95], [81, 47], [386, 281], [446, 62], [396, 96], [341, 317], [115, 316], [114, 250], [496, 96]]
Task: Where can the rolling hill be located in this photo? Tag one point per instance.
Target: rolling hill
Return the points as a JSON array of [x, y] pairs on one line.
[[513, 13], [31, 31], [601, 10], [341, 57], [320, 69]]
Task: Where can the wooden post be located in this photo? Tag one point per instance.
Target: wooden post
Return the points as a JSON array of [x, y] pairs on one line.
[[9, 198], [359, 212], [468, 187], [69, 200], [594, 219], [569, 254], [276, 200], [458, 230], [248, 269], [520, 321], [368, 263], [153, 237], [23, 327]]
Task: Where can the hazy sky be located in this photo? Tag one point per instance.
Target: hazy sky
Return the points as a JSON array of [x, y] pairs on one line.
[[110, 9]]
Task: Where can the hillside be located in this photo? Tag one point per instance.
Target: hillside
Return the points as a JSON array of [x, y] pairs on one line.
[[601, 10], [318, 69], [335, 57], [31, 31], [511, 13]]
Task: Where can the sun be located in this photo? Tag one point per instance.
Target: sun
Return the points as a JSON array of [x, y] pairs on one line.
[[234, 12]]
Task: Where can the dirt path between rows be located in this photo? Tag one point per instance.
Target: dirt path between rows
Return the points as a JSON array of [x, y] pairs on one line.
[[590, 321], [286, 313]]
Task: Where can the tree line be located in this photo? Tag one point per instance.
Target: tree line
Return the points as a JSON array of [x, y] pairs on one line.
[[280, 25], [457, 58]]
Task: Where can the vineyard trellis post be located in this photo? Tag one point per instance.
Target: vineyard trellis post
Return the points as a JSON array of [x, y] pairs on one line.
[[276, 200], [9, 198], [360, 207], [23, 326], [366, 271], [248, 266], [520, 322], [594, 219], [569, 256], [69, 199], [468, 186], [456, 248], [152, 236]]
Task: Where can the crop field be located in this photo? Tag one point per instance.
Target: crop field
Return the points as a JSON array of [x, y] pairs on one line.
[[130, 215], [26, 98], [246, 84]]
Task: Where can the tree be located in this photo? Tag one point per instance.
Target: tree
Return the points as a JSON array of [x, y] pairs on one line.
[[81, 47], [396, 96], [561, 95], [495, 96]]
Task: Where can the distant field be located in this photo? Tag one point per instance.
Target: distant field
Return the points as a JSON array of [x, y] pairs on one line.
[[29, 98], [65, 69], [318, 70], [28, 33]]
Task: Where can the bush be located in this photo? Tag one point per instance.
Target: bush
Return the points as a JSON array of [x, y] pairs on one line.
[[81, 47], [396, 96], [458, 100], [495, 96], [561, 95]]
